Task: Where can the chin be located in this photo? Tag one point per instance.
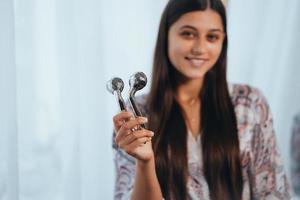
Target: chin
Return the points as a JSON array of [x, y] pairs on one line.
[[191, 73], [196, 75]]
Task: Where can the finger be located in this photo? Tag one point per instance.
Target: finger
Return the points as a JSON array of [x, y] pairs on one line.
[[138, 142], [132, 124], [120, 118], [135, 136], [129, 127]]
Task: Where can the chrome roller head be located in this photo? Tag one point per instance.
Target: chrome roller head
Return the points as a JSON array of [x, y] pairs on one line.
[[115, 84], [137, 82]]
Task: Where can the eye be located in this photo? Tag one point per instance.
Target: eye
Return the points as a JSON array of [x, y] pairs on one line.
[[188, 34], [213, 37]]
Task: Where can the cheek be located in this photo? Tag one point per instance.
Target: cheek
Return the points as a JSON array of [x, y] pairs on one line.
[[178, 50], [175, 51], [176, 47], [215, 51]]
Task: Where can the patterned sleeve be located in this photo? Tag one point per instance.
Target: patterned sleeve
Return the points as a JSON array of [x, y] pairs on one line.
[[125, 172], [267, 176], [295, 156]]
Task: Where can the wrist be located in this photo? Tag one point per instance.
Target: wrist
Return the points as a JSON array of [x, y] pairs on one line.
[[144, 164]]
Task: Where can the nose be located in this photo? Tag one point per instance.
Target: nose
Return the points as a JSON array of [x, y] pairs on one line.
[[199, 46]]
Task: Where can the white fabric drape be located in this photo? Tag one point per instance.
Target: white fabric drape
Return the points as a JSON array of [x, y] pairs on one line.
[[8, 121], [56, 127], [55, 59], [55, 144]]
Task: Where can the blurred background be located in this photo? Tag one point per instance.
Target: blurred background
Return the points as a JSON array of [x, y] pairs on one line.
[[57, 55]]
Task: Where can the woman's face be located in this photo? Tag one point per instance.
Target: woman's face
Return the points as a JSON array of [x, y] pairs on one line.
[[195, 42]]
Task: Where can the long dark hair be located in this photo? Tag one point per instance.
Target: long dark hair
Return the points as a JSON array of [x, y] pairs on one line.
[[222, 168]]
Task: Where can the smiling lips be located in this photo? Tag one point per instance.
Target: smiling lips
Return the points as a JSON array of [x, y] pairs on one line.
[[197, 62]]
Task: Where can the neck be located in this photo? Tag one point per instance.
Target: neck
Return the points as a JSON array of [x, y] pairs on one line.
[[189, 91]]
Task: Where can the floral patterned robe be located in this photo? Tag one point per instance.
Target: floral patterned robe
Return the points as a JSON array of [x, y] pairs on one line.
[[262, 166]]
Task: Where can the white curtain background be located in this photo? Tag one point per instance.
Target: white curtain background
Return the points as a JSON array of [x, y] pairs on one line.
[[55, 59], [264, 52]]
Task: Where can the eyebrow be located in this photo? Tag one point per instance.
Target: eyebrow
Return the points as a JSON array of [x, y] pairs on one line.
[[211, 30], [216, 30]]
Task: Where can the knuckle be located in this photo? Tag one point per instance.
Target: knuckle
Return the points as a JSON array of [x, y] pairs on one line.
[[121, 129], [129, 114], [125, 125], [133, 122], [115, 119], [141, 140], [117, 141], [135, 135], [119, 132], [146, 133], [150, 133], [137, 121], [116, 127]]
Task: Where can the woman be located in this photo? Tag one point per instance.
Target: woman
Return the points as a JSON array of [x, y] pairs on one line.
[[210, 140]]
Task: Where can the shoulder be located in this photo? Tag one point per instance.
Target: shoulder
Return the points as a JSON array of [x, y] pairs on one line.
[[244, 91], [249, 102]]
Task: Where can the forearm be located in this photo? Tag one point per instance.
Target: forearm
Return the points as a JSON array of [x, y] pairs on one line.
[[146, 184]]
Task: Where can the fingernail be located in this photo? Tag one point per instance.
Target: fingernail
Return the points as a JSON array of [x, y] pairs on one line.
[[152, 134]]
